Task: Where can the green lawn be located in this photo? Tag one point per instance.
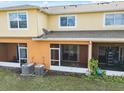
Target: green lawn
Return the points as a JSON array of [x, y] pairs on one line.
[[11, 80]]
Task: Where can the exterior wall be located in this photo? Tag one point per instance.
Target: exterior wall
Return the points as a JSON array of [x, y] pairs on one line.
[[36, 21], [42, 22], [39, 51], [85, 21]]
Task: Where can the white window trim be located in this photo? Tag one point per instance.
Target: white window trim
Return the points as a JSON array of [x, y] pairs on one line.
[[104, 16], [67, 26], [15, 29]]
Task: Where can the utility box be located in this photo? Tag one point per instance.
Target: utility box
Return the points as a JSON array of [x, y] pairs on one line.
[[27, 69], [39, 69]]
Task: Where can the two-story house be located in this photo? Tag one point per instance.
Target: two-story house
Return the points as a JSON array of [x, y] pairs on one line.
[[64, 38]]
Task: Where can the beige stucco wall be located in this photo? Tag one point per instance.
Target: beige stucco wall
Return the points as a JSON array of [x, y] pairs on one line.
[[85, 21], [36, 21], [42, 22]]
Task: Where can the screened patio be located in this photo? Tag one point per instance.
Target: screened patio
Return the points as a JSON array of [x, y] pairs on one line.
[[69, 55], [13, 54], [110, 55]]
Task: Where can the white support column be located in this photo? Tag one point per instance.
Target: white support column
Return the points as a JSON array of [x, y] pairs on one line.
[[19, 53], [90, 50], [89, 53], [59, 54]]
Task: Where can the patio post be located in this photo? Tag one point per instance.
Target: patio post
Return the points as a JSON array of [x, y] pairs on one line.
[[89, 52]]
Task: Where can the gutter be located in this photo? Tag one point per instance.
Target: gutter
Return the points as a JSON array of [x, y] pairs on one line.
[[81, 39]]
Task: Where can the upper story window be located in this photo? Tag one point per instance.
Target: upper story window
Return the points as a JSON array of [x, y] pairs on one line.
[[67, 21], [114, 19], [18, 20]]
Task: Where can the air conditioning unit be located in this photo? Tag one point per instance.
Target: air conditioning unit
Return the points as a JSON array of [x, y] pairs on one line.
[[27, 69], [39, 69]]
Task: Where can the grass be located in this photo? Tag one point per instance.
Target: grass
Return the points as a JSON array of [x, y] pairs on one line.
[[11, 80]]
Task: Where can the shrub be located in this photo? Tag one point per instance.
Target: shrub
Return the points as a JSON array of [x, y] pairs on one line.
[[93, 66], [94, 69], [103, 73]]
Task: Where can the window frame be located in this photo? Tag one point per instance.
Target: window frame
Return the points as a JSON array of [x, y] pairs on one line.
[[8, 20], [59, 20], [104, 20]]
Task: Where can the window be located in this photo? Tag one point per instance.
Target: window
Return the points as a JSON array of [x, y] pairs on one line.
[[114, 19], [18, 20], [67, 21]]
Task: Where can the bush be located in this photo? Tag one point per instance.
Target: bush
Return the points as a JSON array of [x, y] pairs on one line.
[[94, 69], [93, 66], [103, 73]]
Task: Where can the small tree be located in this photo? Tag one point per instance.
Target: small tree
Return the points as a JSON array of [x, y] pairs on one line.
[[93, 66], [94, 69]]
